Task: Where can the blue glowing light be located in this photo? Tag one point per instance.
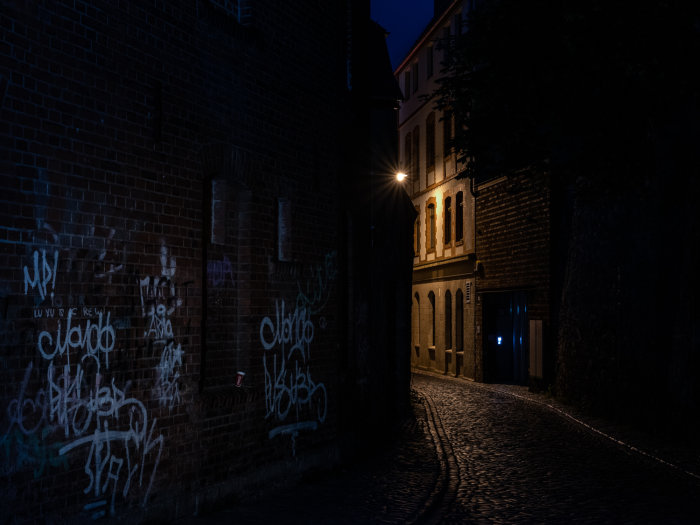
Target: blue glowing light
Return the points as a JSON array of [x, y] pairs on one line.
[[500, 339]]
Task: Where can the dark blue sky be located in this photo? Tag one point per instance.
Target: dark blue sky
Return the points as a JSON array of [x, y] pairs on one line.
[[405, 21]]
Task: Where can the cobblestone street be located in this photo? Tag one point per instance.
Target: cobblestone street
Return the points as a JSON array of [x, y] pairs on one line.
[[490, 454], [518, 461]]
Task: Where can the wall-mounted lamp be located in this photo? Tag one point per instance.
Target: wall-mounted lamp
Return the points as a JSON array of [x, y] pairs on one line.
[[401, 176]]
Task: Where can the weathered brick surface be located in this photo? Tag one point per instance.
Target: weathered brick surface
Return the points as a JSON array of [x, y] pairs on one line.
[[122, 325], [513, 246]]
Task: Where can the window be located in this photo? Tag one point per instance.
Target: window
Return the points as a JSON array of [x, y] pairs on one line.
[[458, 24], [446, 37], [448, 220], [415, 77], [407, 84], [447, 135], [407, 155], [459, 320], [429, 62], [416, 234], [448, 320], [415, 168], [459, 217], [430, 227], [431, 298], [416, 320], [430, 144]]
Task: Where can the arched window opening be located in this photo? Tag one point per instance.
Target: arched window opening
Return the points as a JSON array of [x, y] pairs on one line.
[[459, 320], [431, 298], [448, 320]]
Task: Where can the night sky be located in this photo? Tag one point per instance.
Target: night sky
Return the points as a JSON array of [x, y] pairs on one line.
[[404, 20]]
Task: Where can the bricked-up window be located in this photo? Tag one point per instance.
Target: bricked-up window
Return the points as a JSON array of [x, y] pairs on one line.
[[415, 77], [430, 144], [218, 211], [416, 233], [407, 84], [415, 169], [431, 299], [459, 321], [429, 62], [240, 10], [459, 217], [430, 221], [448, 320], [448, 220], [447, 133]]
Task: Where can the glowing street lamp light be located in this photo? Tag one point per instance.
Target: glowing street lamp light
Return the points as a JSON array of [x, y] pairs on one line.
[[400, 176]]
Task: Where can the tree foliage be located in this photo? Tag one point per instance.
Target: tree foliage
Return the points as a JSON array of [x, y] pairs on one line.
[[573, 84]]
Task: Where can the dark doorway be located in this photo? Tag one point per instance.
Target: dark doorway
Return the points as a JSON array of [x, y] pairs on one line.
[[505, 337]]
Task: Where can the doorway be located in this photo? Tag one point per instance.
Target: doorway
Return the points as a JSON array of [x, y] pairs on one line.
[[505, 337]]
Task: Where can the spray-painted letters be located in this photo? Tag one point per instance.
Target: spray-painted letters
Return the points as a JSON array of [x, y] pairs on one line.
[[289, 386]]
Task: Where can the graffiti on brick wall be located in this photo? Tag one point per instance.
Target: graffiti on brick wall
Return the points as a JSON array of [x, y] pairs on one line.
[[219, 273], [40, 276], [293, 399], [160, 298], [68, 407], [290, 389], [314, 292]]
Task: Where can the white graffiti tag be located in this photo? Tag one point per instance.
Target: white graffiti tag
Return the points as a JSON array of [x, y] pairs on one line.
[[289, 386]]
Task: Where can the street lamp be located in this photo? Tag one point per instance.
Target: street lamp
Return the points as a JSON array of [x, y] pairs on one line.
[[400, 176]]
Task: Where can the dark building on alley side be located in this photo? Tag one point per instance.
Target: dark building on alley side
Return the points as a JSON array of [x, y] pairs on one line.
[[192, 304]]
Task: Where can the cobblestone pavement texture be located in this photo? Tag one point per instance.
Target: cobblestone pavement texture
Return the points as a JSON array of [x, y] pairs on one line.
[[476, 453]]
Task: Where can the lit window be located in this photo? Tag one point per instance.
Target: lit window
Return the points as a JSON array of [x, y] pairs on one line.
[[459, 217], [448, 220], [430, 227]]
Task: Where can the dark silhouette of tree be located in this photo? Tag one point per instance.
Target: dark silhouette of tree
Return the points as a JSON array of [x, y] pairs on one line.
[[573, 85]]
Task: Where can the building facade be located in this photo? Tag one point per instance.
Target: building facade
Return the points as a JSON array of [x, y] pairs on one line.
[[481, 247], [443, 240]]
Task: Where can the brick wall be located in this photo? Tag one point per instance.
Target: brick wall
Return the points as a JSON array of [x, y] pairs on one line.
[[513, 247], [146, 147]]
